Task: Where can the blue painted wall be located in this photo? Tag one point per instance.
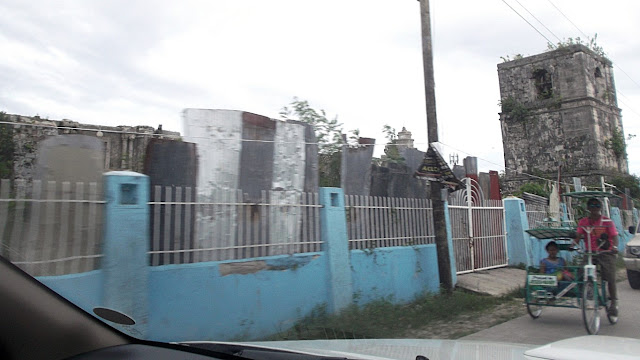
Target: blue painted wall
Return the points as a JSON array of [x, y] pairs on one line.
[[84, 290], [198, 302], [237, 300], [396, 273]]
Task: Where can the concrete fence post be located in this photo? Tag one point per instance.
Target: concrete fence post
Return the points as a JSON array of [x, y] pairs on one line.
[[519, 248], [333, 230], [452, 256], [125, 247]]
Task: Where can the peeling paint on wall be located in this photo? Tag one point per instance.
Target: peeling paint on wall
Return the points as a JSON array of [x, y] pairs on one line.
[[217, 135], [241, 156], [242, 268]]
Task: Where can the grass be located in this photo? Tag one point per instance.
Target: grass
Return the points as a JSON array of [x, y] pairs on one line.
[[383, 319]]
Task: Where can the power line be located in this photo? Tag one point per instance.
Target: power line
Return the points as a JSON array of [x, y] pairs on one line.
[[624, 72], [566, 17], [252, 140], [587, 36], [552, 33], [530, 24], [543, 25], [273, 141], [627, 105], [506, 168]]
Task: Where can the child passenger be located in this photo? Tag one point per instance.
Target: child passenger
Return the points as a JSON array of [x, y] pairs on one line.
[[553, 264]]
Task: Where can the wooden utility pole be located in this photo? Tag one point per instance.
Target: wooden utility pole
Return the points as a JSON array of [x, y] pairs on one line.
[[442, 245], [429, 81]]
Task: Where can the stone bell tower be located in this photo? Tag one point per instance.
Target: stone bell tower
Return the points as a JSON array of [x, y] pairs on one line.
[[559, 110]]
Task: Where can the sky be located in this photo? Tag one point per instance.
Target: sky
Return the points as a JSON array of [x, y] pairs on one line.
[[117, 62]]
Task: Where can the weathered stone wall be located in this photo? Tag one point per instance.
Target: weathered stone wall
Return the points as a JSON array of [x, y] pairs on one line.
[[397, 180], [123, 146], [559, 109], [356, 168]]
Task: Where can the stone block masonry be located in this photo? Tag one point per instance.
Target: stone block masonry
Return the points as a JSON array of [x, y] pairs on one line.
[[559, 109]]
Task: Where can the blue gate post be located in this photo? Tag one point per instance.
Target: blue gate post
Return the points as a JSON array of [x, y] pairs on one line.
[[126, 246], [518, 240], [333, 230]]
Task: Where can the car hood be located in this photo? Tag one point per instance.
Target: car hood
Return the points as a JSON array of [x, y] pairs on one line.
[[371, 349], [587, 348], [635, 241], [583, 348]]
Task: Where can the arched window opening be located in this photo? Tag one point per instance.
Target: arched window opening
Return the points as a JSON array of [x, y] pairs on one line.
[[544, 86]]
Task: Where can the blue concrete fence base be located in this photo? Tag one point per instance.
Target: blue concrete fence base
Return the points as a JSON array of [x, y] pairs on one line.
[[245, 299]]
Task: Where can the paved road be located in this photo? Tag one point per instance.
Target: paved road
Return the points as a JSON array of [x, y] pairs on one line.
[[561, 323]]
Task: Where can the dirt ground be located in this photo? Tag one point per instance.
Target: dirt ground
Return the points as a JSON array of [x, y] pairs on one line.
[[467, 324]]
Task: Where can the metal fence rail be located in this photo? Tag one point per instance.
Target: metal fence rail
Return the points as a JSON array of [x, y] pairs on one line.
[[187, 227], [51, 228], [536, 214], [383, 222]]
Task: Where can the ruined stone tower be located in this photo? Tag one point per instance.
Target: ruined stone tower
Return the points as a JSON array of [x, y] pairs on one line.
[[559, 108]]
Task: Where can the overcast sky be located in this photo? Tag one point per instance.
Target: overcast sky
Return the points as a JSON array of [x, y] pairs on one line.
[[130, 62]]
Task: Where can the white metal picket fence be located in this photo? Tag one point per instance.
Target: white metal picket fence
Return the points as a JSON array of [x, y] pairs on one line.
[[536, 214], [188, 228], [374, 222], [51, 228]]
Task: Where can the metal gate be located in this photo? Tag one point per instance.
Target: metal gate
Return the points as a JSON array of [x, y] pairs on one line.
[[478, 229]]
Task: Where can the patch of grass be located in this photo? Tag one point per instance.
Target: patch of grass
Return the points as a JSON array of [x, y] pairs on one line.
[[382, 319], [516, 293]]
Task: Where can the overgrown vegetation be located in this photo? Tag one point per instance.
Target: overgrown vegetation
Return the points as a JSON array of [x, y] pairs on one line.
[[6, 149], [627, 181], [508, 58], [617, 145], [383, 319], [329, 137], [591, 43], [513, 109], [535, 188]]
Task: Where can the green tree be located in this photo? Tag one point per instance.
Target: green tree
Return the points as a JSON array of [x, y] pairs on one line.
[[329, 137], [328, 131], [6, 149], [391, 150], [625, 181], [535, 188]]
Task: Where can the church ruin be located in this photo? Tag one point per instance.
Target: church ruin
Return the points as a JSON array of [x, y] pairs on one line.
[[560, 114]]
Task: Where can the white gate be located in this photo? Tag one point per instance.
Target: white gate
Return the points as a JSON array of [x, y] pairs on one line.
[[478, 229]]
